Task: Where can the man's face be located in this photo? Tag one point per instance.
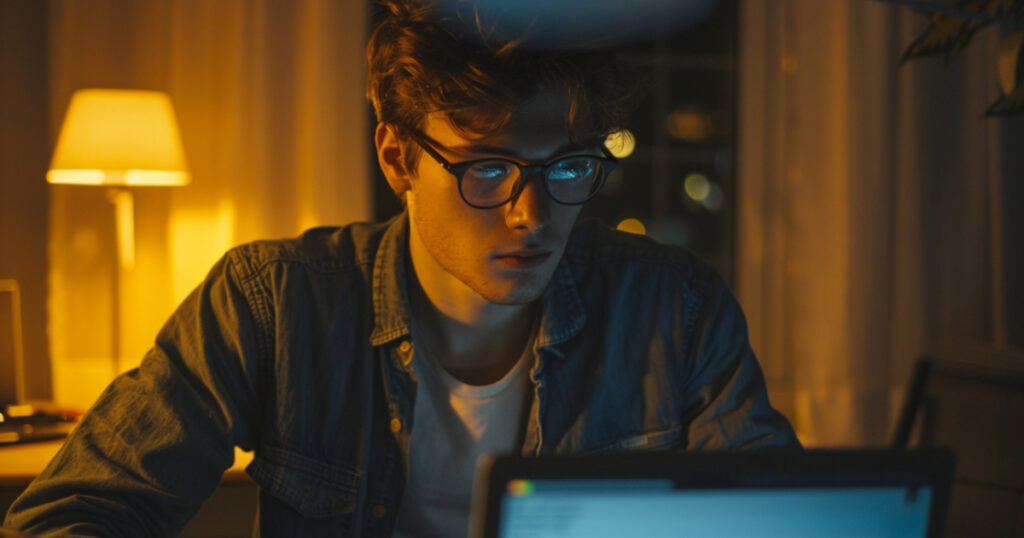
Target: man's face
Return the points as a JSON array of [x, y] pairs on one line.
[[507, 254]]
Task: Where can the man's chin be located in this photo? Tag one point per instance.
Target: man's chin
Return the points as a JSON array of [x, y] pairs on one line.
[[514, 294], [512, 288], [511, 299]]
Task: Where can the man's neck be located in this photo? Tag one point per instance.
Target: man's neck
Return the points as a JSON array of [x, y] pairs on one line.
[[474, 353], [475, 340]]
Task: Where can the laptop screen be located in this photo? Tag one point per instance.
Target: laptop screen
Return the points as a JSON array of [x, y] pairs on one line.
[[586, 508], [833, 493]]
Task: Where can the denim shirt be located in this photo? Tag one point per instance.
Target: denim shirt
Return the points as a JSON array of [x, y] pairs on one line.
[[300, 350]]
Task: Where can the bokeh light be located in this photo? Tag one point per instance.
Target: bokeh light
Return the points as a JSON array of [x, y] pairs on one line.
[[715, 199], [679, 230], [633, 226], [691, 124], [697, 186], [621, 143]]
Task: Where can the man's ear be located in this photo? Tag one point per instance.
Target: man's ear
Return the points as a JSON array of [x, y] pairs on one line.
[[391, 156]]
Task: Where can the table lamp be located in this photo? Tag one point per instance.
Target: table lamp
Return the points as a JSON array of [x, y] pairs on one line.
[[119, 139]]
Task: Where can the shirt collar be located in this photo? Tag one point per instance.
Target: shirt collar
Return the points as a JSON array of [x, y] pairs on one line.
[[563, 315], [390, 303], [562, 312]]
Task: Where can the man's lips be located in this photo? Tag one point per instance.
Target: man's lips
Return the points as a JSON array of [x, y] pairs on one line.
[[524, 259]]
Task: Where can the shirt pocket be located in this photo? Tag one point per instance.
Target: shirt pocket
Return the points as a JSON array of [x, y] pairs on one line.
[[312, 487], [657, 439]]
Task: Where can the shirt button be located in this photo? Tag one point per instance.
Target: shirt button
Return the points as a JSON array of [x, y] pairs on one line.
[[379, 511], [396, 426], [405, 346]]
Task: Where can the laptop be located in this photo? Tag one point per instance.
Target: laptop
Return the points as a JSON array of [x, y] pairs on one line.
[[769, 493], [10, 344], [20, 422]]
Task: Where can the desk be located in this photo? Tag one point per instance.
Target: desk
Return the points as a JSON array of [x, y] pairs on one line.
[[236, 496], [19, 464]]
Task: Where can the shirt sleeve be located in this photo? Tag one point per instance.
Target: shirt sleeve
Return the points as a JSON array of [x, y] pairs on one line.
[[727, 400], [158, 439]]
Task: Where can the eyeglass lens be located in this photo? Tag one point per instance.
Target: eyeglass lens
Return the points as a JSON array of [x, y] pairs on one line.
[[570, 181]]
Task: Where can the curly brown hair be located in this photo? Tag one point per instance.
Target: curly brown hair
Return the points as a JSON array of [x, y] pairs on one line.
[[422, 60]]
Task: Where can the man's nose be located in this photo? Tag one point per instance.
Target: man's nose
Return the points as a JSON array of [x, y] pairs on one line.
[[530, 210]]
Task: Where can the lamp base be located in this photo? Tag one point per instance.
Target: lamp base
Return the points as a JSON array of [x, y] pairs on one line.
[[124, 212]]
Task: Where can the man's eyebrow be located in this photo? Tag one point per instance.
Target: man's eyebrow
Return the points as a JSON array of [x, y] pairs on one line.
[[483, 149]]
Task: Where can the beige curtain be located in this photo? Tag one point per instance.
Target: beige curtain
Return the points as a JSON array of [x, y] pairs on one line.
[[867, 196], [269, 99]]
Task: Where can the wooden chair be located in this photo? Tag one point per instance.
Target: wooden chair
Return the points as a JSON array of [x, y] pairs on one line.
[[973, 403]]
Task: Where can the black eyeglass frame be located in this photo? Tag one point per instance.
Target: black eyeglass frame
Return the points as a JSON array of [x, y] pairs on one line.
[[609, 162]]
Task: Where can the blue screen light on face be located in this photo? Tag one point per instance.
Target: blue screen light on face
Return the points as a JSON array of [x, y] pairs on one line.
[[573, 509]]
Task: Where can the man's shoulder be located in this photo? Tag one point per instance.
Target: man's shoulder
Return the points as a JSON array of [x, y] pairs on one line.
[[323, 248], [595, 246]]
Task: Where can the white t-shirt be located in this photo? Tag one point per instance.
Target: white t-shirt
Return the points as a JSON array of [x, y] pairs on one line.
[[453, 424]]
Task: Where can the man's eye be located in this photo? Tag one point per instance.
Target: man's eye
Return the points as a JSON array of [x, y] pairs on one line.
[[489, 171], [571, 169]]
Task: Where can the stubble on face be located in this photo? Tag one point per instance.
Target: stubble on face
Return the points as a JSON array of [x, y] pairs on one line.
[[463, 242], [461, 253]]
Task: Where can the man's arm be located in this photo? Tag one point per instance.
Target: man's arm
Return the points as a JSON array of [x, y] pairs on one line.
[[727, 401], [157, 441]]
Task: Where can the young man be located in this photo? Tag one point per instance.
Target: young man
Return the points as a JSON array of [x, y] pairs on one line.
[[368, 366]]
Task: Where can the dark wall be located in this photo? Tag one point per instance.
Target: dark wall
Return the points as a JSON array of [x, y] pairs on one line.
[[1013, 228], [24, 157]]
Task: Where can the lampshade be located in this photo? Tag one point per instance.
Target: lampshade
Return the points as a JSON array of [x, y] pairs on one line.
[[119, 137]]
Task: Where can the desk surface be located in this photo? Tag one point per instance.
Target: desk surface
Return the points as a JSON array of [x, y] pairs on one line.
[[19, 464]]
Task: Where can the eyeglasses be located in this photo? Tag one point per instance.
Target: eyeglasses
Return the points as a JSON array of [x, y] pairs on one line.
[[489, 183]]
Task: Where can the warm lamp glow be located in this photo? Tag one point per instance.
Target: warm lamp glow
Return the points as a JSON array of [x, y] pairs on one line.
[[120, 138]]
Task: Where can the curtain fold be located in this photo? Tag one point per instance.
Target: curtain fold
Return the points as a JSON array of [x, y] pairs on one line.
[[269, 99], [865, 189]]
